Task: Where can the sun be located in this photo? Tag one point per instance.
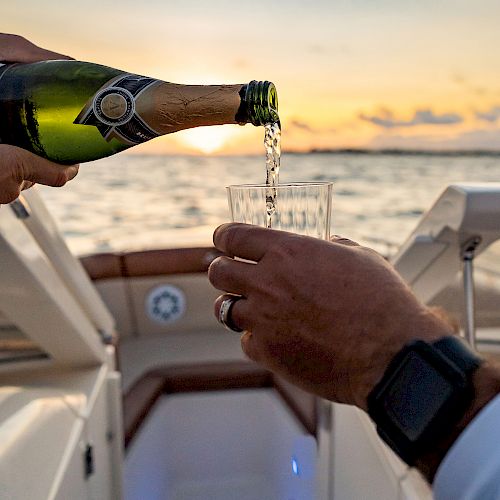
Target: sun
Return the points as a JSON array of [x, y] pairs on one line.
[[206, 139]]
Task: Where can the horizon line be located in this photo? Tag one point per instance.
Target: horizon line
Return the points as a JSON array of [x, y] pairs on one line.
[[353, 151]]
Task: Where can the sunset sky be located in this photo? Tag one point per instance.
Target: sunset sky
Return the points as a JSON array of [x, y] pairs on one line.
[[361, 73]]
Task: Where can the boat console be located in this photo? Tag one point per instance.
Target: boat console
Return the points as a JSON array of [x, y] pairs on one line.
[[462, 224]]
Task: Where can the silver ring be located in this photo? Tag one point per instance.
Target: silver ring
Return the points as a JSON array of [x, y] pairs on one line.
[[225, 313]]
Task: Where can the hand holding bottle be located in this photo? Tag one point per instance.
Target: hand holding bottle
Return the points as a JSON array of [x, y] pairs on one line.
[[15, 48], [20, 169]]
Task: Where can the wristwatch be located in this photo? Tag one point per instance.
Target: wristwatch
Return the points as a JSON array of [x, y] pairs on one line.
[[424, 392]]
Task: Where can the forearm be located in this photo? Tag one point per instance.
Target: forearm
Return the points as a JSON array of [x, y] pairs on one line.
[[485, 382]]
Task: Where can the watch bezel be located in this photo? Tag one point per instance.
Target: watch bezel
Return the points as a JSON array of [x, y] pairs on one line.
[[450, 411]]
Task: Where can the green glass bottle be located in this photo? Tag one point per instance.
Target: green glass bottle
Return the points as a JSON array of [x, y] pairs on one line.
[[73, 112]]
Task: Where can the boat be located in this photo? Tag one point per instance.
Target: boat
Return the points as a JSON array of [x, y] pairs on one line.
[[117, 382]]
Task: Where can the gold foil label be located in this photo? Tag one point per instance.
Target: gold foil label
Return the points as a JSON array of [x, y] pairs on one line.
[[114, 106]]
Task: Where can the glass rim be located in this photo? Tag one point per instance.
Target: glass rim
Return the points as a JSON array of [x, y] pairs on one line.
[[263, 185]]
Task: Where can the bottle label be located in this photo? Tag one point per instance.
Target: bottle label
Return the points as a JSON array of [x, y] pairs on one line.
[[113, 111]]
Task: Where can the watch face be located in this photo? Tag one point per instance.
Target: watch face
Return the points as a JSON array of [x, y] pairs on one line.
[[418, 384], [420, 397]]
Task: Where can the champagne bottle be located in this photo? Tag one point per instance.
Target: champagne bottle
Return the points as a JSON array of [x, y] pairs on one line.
[[73, 112]]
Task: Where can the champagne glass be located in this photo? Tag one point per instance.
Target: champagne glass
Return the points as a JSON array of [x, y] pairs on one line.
[[299, 207]]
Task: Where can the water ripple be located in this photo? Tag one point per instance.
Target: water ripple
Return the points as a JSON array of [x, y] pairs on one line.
[[130, 202]]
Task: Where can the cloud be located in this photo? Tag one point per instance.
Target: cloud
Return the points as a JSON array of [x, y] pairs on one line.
[[304, 129], [471, 140], [462, 81], [386, 119], [428, 117], [302, 126], [337, 49], [296, 124], [316, 49], [458, 78], [240, 63], [489, 116], [480, 91]]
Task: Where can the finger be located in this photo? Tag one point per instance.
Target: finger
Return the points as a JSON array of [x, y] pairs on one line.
[[36, 169], [15, 48], [241, 314], [9, 191], [231, 275], [250, 346], [246, 241], [343, 241], [26, 185]]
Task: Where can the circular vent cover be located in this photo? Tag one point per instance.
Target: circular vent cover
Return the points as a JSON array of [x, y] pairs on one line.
[[165, 304]]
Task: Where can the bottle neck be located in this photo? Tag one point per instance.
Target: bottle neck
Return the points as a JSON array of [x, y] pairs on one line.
[[259, 103], [170, 107]]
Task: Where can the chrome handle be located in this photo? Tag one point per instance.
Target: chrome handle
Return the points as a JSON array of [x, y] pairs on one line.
[[467, 256]]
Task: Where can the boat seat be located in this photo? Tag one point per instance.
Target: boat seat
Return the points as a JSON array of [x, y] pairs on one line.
[[145, 392], [149, 262]]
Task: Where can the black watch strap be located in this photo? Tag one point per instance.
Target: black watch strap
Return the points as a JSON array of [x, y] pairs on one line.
[[458, 352]]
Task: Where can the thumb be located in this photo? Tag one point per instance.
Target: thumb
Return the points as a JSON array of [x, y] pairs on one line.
[[41, 171]]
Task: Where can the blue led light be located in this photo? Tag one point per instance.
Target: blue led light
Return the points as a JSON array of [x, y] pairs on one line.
[[295, 466]]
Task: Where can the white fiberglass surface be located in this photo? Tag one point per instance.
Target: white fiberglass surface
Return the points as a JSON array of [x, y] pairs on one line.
[[15, 345], [238, 444]]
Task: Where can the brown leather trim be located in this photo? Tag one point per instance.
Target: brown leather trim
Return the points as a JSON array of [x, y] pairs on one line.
[[102, 265], [138, 402], [213, 377], [149, 262], [141, 398]]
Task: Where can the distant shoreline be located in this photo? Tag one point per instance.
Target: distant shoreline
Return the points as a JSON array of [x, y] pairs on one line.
[[397, 152], [340, 151]]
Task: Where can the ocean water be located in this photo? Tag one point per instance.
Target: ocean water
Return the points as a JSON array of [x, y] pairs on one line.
[[131, 202]]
